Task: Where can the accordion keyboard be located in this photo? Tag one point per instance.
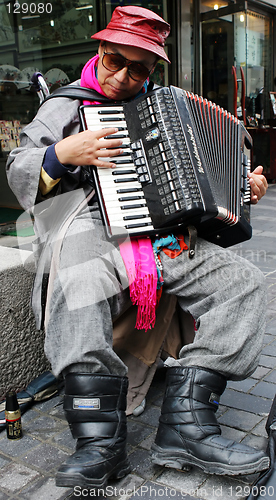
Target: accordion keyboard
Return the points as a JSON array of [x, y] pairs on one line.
[[121, 188]]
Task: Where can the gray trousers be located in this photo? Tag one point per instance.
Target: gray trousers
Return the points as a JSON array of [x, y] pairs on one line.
[[225, 294]]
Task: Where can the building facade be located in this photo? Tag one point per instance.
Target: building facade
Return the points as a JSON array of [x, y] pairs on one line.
[[208, 39]]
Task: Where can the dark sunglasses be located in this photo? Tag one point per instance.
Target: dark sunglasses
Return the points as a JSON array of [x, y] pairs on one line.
[[116, 62]]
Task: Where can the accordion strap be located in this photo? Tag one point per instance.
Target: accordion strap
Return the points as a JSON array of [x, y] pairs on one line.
[[83, 94], [77, 92], [192, 240]]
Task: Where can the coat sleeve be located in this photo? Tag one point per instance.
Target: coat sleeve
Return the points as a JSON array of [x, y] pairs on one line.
[[56, 119]]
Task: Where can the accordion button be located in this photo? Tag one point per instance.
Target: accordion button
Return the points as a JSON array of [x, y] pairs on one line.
[[139, 161], [135, 145]]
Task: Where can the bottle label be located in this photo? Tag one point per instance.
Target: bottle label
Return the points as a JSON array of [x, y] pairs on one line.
[[13, 424]]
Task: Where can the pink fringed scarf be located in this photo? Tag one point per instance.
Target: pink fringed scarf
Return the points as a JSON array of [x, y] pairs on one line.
[[140, 264], [137, 254]]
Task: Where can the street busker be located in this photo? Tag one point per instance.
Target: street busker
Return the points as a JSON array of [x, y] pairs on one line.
[[87, 289]]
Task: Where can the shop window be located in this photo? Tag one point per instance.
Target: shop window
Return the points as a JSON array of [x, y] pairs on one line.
[[51, 37], [252, 49], [242, 40]]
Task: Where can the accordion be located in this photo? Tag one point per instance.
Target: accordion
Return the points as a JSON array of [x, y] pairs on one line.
[[185, 162]]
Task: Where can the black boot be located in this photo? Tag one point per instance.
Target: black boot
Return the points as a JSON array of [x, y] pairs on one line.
[[95, 406], [189, 433]]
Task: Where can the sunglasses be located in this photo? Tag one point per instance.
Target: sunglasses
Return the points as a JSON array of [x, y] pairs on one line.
[[116, 62]]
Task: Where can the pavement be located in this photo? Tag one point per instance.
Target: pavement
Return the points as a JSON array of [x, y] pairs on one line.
[[28, 466]]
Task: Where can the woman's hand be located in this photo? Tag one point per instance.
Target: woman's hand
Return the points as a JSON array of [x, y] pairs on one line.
[[87, 148], [258, 184]]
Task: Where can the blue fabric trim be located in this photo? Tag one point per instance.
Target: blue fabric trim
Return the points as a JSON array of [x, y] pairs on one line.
[[170, 242], [143, 90], [52, 165]]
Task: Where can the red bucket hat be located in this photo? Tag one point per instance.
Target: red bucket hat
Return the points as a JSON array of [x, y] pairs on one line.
[[137, 27]]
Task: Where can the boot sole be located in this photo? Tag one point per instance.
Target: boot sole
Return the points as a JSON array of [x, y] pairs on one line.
[[77, 479], [184, 461]]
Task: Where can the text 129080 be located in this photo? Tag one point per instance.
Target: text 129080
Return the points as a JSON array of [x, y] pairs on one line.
[[30, 8]]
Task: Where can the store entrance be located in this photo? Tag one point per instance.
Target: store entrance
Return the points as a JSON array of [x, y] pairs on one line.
[[217, 61], [239, 39], [237, 74]]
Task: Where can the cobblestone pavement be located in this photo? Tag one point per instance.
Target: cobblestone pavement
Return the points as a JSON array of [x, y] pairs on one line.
[[28, 466]]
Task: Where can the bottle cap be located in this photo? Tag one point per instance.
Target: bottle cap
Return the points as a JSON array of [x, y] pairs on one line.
[[11, 401]]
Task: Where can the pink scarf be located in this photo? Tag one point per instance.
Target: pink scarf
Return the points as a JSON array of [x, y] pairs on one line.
[[89, 79], [139, 261], [137, 254]]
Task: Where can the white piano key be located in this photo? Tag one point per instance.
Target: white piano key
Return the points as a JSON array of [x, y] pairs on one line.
[[121, 135], [123, 208], [120, 167], [121, 222], [105, 174], [125, 141], [117, 189], [116, 219], [104, 118], [107, 178], [120, 124], [102, 171], [107, 187], [135, 230], [110, 196], [97, 115], [118, 212], [101, 126], [114, 203], [107, 123]]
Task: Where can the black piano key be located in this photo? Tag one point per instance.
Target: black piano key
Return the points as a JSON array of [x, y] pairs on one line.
[[109, 111], [130, 198], [128, 179], [133, 217], [132, 207], [121, 155], [116, 136], [133, 226], [128, 190], [111, 119], [122, 146], [123, 162], [122, 172]]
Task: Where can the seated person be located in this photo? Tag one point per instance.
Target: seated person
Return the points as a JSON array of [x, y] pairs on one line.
[[87, 289]]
